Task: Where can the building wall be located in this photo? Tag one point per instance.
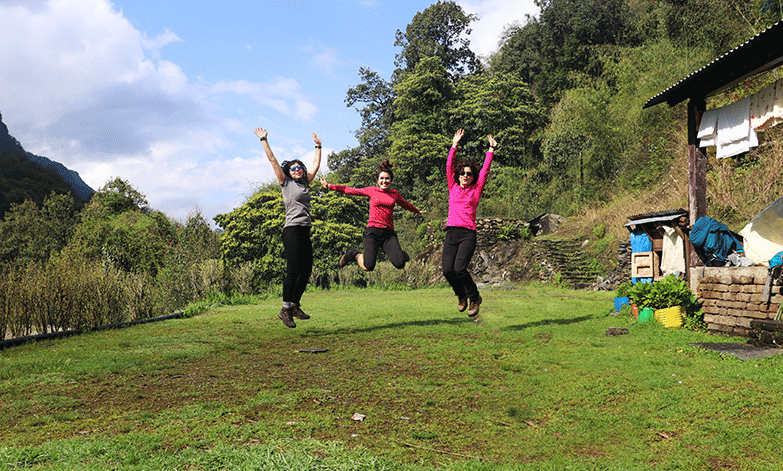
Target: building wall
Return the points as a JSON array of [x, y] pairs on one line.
[[733, 297]]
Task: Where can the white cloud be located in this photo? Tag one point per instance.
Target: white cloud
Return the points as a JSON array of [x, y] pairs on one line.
[[327, 61], [82, 86], [494, 16]]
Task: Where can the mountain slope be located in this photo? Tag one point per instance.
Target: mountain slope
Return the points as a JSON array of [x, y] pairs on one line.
[[26, 176]]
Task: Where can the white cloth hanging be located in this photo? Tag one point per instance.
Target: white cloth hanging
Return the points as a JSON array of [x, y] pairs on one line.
[[728, 129], [766, 107]]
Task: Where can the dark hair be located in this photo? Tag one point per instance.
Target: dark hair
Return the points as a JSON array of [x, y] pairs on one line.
[[473, 168], [385, 166], [287, 167]]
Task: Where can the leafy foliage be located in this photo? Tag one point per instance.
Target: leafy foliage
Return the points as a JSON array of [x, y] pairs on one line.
[[253, 232], [438, 32]]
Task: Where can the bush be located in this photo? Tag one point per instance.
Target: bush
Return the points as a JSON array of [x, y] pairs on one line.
[[667, 292]]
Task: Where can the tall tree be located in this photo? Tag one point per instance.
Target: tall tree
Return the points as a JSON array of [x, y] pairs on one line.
[[439, 31]]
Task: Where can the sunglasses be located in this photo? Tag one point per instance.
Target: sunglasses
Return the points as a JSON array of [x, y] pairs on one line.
[[295, 168], [465, 174]]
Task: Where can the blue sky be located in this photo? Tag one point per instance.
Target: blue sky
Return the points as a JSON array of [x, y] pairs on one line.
[[166, 94]]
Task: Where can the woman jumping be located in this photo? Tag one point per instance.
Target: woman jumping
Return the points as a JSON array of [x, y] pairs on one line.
[[380, 228], [295, 182], [466, 183]]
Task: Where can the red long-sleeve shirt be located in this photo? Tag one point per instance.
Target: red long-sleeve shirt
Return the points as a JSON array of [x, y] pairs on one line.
[[381, 203]]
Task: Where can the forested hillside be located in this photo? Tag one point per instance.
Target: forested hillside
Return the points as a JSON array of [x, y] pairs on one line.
[[29, 177], [563, 95]]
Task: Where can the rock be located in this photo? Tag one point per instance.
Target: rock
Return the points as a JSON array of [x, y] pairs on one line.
[[616, 331]]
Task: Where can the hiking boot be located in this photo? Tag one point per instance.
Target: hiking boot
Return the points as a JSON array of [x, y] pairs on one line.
[[406, 257], [462, 304], [474, 307], [297, 312], [285, 316], [349, 257]]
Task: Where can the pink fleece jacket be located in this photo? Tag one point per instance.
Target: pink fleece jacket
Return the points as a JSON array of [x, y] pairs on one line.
[[464, 201]]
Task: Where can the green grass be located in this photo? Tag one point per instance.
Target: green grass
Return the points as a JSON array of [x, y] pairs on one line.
[[536, 384]]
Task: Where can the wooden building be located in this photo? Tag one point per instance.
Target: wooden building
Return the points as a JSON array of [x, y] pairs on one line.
[[733, 297]]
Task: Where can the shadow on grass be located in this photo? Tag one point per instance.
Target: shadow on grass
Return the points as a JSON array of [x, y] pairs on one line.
[[544, 322], [396, 325]]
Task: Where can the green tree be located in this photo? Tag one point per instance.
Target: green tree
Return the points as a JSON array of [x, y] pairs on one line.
[[571, 38], [502, 105], [519, 51], [439, 31], [253, 232], [118, 227], [116, 197], [30, 234]]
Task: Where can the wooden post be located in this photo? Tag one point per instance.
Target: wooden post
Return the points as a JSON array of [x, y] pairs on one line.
[[697, 175]]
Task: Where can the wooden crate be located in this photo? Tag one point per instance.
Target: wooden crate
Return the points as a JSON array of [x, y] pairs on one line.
[[642, 265]]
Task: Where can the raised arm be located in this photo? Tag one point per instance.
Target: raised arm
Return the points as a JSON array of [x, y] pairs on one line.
[[262, 134], [316, 160], [484, 172], [450, 159]]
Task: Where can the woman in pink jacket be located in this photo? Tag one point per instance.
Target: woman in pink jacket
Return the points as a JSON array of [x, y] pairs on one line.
[[380, 228], [466, 183]]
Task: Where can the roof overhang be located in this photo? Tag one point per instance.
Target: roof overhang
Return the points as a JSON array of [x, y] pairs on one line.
[[759, 54]]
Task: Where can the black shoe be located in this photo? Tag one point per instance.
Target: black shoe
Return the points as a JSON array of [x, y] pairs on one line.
[[349, 257], [285, 316], [474, 307], [297, 312]]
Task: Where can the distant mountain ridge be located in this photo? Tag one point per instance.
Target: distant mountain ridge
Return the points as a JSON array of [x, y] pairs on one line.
[[24, 175], [71, 177]]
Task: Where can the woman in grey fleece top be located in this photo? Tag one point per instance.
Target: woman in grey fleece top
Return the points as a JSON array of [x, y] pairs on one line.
[[295, 182]]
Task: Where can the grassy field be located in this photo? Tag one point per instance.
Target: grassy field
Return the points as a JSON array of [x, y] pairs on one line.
[[535, 384]]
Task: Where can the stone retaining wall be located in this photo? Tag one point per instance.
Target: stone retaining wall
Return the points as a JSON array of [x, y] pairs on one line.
[[733, 297]]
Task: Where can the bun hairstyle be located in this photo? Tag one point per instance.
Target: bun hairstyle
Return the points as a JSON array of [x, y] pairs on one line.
[[474, 169], [385, 166], [286, 165]]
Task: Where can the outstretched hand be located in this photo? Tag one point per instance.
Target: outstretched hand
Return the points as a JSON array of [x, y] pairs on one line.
[[324, 183], [261, 133], [317, 140], [457, 136], [492, 142]]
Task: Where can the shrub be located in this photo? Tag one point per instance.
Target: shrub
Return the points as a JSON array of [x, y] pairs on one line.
[[508, 231]]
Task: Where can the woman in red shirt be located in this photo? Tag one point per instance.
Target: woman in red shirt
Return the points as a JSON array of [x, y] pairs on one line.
[[380, 228]]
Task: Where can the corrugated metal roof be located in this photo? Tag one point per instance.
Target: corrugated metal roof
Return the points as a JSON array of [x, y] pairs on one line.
[[669, 212], [638, 222], [762, 52]]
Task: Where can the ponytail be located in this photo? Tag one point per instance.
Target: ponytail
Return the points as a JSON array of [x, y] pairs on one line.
[[386, 167]]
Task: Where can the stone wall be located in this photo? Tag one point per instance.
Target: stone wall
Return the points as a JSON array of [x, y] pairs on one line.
[[733, 297]]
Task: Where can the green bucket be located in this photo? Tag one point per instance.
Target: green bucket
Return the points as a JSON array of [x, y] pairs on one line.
[[646, 314]]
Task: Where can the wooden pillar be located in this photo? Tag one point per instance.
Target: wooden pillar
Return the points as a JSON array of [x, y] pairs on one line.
[[697, 174]]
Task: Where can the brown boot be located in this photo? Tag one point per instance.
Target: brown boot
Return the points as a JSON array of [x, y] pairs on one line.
[[474, 307], [297, 312], [462, 304], [285, 316]]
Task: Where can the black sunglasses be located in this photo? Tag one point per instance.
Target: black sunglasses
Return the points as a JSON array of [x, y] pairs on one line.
[[294, 168], [466, 174]]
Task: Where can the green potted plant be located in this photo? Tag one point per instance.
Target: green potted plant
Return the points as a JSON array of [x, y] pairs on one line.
[[669, 298], [640, 294]]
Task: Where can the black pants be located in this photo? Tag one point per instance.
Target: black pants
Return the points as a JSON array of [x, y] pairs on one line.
[[458, 249], [374, 239], [299, 258]]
